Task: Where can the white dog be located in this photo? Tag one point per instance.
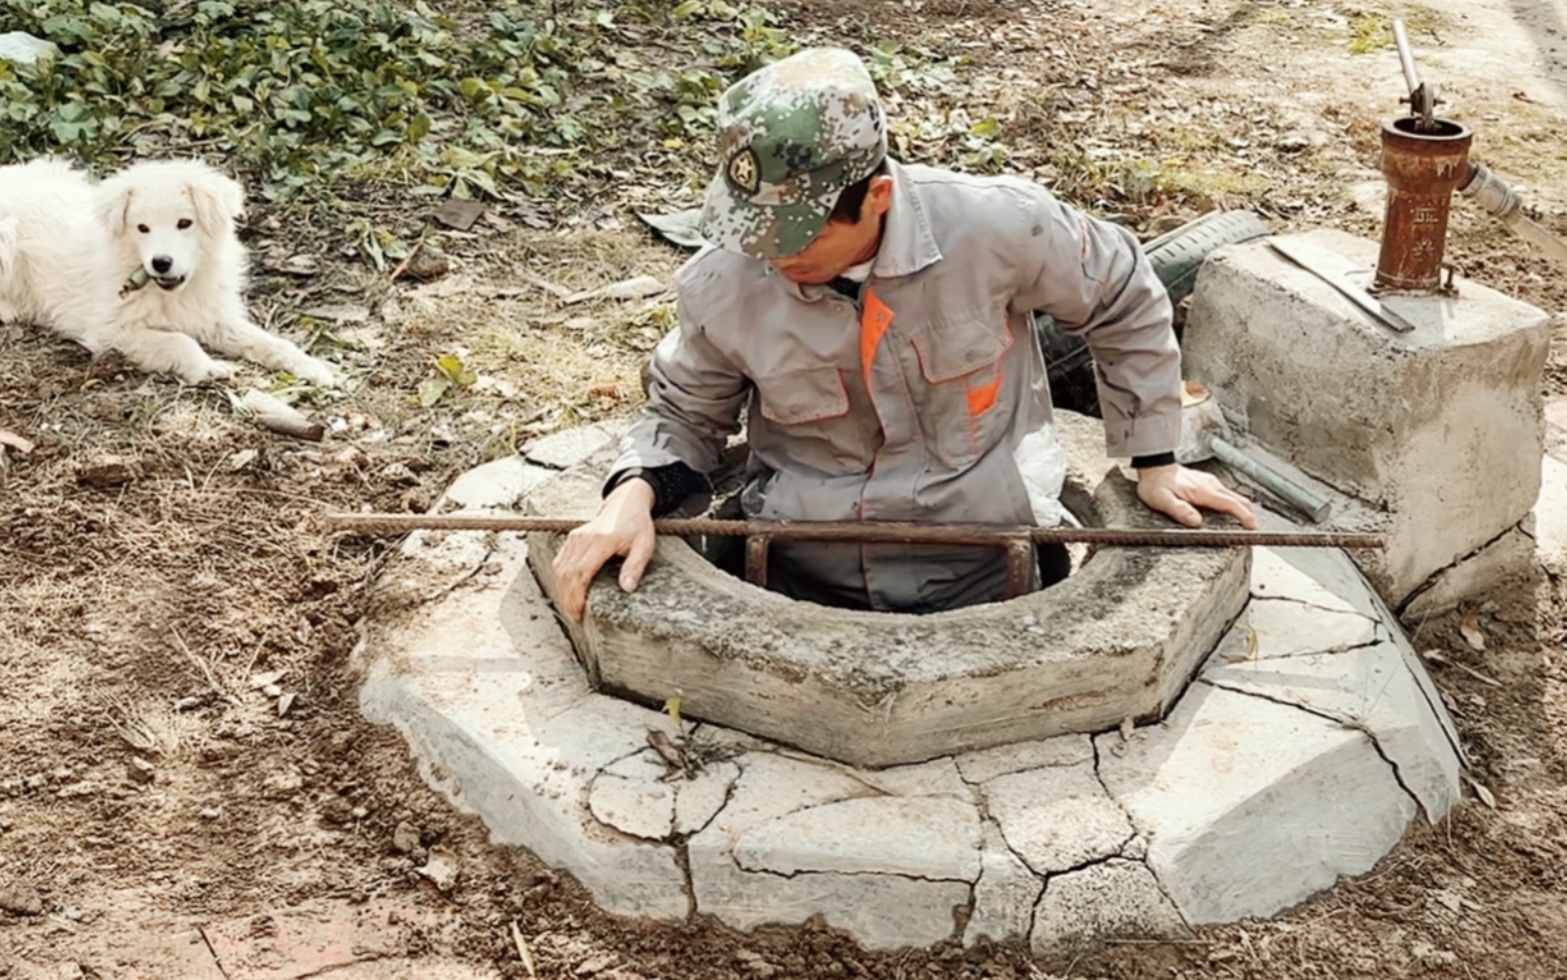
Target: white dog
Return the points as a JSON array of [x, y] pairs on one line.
[[146, 263]]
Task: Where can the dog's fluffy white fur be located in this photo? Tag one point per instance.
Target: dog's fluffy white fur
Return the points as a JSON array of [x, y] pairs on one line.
[[146, 262]]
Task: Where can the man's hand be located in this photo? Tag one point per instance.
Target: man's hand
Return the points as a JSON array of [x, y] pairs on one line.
[[623, 526], [1178, 492]]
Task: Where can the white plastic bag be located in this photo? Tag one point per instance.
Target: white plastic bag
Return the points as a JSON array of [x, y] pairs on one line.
[[24, 49], [1042, 462]]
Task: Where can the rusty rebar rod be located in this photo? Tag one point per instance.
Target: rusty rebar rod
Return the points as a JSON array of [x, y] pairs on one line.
[[869, 532]]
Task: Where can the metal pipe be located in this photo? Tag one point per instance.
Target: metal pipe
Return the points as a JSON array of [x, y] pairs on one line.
[[1406, 59], [898, 532], [1293, 493], [1499, 200]]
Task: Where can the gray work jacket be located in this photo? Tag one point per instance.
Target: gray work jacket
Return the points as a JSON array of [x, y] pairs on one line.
[[909, 404]]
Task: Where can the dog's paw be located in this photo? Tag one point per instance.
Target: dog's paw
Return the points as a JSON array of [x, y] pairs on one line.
[[316, 372], [202, 373]]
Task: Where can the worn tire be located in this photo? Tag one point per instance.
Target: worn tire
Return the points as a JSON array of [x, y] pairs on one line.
[[1177, 256]]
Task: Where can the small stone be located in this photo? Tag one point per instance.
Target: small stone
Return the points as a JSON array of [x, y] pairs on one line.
[[36, 781], [405, 838], [20, 898], [441, 869], [106, 471], [141, 771], [272, 691], [426, 263], [284, 703], [284, 782], [360, 813], [211, 813], [756, 964]]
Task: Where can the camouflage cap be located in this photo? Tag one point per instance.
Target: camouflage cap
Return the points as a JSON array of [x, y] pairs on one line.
[[791, 137]]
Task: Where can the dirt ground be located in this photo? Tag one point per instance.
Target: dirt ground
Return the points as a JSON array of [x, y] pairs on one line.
[[180, 747]]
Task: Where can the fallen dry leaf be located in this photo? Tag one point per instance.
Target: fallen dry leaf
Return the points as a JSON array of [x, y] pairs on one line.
[[17, 441], [1470, 628]]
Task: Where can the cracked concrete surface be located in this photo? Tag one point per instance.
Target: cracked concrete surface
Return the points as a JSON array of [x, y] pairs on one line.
[[1307, 745]]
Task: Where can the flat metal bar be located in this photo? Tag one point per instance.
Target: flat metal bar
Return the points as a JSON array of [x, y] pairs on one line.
[[898, 532], [1364, 300]]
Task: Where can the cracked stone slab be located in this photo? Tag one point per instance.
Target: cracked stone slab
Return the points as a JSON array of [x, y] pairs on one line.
[[1252, 806], [632, 796], [1371, 688], [937, 778], [987, 764], [1058, 817], [505, 726], [1110, 900], [497, 485], [698, 800], [881, 911], [1319, 577], [1004, 896], [1286, 628], [568, 447], [933, 837]]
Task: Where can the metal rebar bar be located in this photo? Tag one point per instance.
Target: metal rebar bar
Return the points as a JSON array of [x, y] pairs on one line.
[[876, 531]]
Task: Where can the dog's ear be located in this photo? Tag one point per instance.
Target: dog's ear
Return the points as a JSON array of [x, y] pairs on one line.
[[219, 200], [114, 205]]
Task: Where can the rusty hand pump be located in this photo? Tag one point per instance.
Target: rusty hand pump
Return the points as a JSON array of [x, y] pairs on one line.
[[1425, 159]]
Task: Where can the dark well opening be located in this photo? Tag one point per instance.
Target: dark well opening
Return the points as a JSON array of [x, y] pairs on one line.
[[727, 553]]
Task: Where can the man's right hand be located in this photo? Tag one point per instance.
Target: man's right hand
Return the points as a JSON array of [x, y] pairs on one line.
[[623, 527]]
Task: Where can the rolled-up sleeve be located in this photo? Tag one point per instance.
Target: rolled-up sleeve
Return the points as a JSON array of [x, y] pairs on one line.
[[1093, 278], [695, 396]]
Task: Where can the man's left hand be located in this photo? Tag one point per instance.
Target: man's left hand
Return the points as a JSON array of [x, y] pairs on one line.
[[1178, 492]]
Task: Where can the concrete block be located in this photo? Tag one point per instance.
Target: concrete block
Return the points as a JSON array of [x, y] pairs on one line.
[[1373, 690], [1004, 896], [1505, 563], [1058, 817], [857, 686], [1440, 427], [1110, 900], [1236, 831]]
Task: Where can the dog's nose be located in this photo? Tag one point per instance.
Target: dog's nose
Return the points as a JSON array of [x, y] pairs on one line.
[[161, 264]]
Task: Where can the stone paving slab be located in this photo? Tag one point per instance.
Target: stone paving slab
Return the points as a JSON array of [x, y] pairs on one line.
[[1056, 841], [568, 447], [1270, 628], [1371, 689], [1004, 896], [1251, 806], [935, 838], [1110, 900], [1058, 817]]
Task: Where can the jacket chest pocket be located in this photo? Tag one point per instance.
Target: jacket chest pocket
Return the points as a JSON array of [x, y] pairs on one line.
[[960, 406], [802, 396]]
